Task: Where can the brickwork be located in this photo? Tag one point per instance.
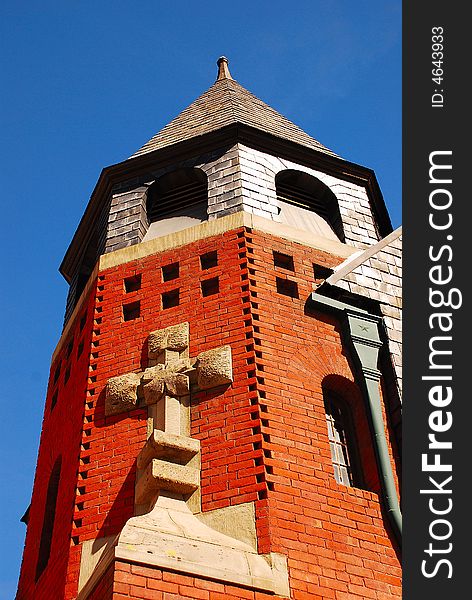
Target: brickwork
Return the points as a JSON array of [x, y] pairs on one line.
[[106, 497], [145, 583], [335, 536], [61, 436], [263, 439]]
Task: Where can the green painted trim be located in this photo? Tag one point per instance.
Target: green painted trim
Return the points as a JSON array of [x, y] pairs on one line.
[[361, 330]]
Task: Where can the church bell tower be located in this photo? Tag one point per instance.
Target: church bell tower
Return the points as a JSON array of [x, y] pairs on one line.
[[223, 412]]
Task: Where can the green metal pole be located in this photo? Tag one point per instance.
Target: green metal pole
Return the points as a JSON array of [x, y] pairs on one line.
[[361, 330]]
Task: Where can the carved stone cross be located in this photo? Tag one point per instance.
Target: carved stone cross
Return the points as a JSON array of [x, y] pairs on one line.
[[169, 459], [166, 531]]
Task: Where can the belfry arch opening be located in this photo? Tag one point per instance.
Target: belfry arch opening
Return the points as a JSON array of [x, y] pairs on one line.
[[307, 203], [177, 200]]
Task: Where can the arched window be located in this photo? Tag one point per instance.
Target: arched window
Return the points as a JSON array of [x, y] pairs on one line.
[[342, 441], [48, 520], [182, 192], [301, 197]]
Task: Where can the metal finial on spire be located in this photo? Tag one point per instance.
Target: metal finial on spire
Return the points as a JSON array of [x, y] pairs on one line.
[[223, 70]]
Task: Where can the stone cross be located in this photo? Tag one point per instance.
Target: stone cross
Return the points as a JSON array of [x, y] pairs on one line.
[[169, 460], [166, 531]]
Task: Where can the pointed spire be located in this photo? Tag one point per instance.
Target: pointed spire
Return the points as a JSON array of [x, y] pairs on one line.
[[223, 70]]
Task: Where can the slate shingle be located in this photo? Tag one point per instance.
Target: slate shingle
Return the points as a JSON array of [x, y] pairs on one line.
[[226, 102]]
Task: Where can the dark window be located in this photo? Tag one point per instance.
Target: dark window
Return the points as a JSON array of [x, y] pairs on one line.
[[92, 251], [170, 272], [57, 372], [321, 273], [54, 400], [131, 311], [341, 441], [209, 260], [171, 299], [83, 320], [82, 279], [48, 520], [286, 287], [283, 261], [210, 287], [132, 284]]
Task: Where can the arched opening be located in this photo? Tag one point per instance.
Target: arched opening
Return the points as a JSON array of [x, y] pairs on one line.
[[177, 200], [307, 203], [357, 430], [49, 517]]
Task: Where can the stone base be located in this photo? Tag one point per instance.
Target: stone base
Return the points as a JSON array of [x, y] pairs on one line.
[[171, 537]]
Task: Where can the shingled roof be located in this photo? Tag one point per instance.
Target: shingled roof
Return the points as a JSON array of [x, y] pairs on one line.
[[226, 102]]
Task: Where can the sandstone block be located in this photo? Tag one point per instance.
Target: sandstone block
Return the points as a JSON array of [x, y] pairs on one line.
[[153, 385], [121, 393], [162, 475], [162, 379], [175, 337], [168, 446], [214, 367]]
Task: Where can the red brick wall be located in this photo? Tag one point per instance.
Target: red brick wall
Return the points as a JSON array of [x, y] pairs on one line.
[[337, 540], [264, 439], [104, 589], [136, 581], [60, 436]]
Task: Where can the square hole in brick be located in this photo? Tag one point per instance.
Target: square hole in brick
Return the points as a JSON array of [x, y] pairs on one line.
[[80, 349], [321, 273], [170, 272], [83, 320], [66, 375], [132, 284], [57, 372], [210, 286], [209, 260], [70, 347], [286, 287], [284, 261], [54, 400], [171, 299], [131, 311]]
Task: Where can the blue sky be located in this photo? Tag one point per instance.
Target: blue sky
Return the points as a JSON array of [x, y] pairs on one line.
[[85, 84]]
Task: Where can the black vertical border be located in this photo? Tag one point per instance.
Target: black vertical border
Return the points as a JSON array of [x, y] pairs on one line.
[[427, 129]]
